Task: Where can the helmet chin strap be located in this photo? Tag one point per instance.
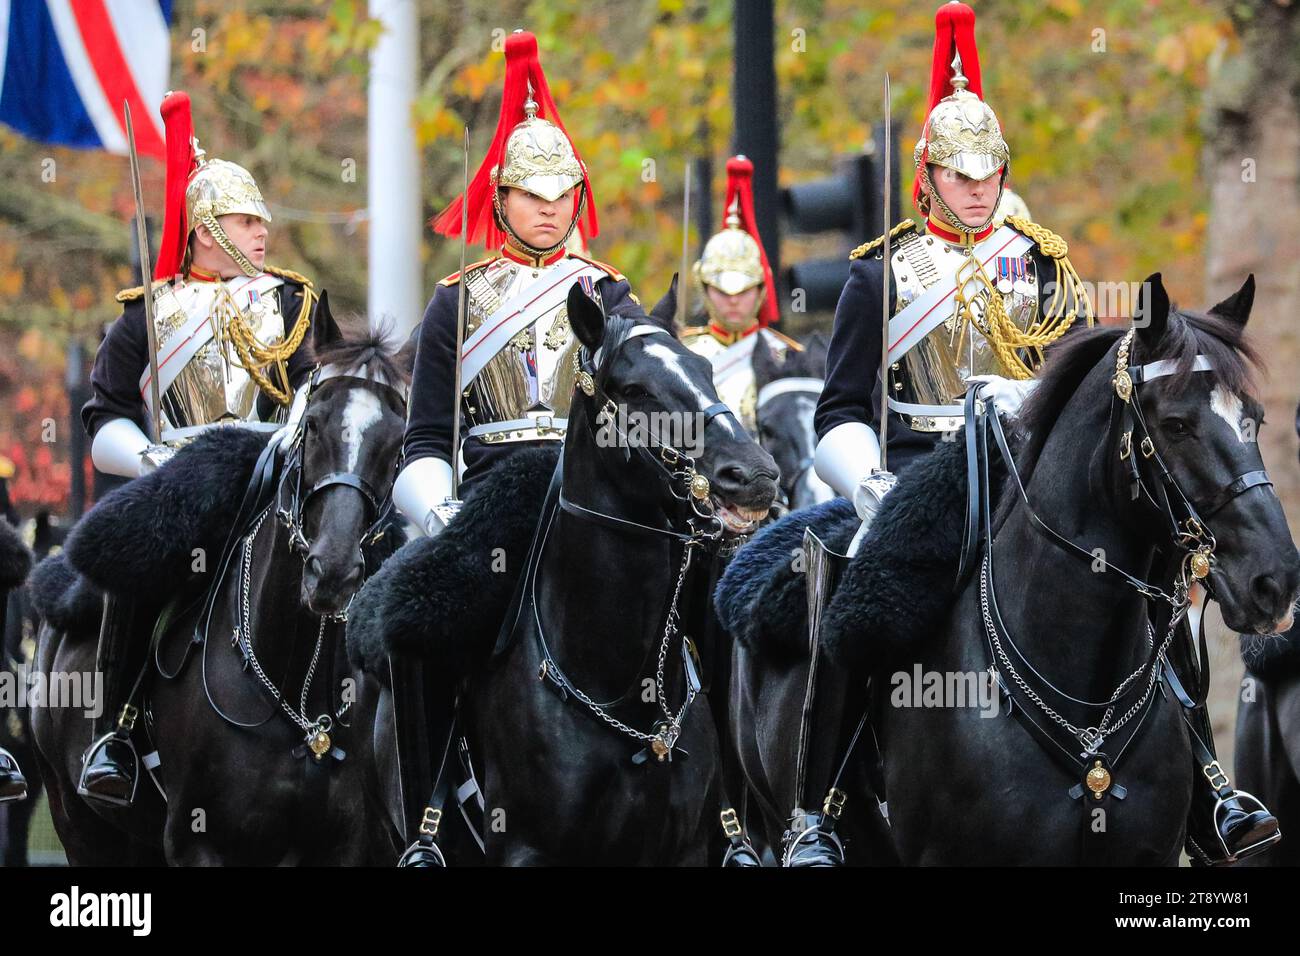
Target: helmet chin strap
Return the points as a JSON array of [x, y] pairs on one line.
[[954, 220], [227, 246], [538, 252]]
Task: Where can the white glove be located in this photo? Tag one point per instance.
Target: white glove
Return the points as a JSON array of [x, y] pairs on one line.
[[119, 448], [870, 493], [849, 452], [1007, 394], [422, 492], [154, 457]]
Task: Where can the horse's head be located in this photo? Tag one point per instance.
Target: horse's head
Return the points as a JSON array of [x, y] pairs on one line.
[[647, 397], [1203, 420], [345, 458], [787, 398]]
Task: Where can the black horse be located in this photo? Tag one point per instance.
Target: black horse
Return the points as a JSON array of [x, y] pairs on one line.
[[250, 718], [785, 416], [590, 740], [1140, 475]]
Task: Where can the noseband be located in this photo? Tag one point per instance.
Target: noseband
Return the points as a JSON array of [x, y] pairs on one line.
[[291, 515]]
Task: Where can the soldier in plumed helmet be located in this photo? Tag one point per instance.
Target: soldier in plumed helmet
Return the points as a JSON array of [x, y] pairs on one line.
[[527, 200], [230, 331], [978, 294], [734, 283]]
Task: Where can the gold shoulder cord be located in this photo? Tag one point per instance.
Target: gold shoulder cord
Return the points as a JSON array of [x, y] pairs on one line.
[[871, 246], [1008, 339], [255, 357]]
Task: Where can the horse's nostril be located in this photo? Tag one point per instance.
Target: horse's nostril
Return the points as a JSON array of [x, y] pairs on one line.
[[354, 575], [315, 567], [1267, 592]]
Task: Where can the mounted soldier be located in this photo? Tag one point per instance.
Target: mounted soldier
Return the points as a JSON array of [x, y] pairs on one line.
[[227, 344], [497, 359], [734, 283], [973, 295], [970, 301], [516, 366]]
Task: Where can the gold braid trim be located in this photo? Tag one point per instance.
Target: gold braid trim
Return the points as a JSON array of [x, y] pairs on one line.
[[1049, 242], [1069, 301], [894, 233], [254, 356]]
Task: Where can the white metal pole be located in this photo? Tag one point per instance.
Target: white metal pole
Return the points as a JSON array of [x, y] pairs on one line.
[[394, 170]]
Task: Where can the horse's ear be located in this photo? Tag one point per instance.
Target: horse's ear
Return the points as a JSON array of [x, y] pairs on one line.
[[1236, 307], [815, 350], [586, 317], [324, 330], [1151, 317], [665, 309], [766, 368]]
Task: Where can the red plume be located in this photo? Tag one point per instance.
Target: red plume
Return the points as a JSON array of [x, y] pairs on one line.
[[740, 183], [522, 67], [180, 163], [954, 32]]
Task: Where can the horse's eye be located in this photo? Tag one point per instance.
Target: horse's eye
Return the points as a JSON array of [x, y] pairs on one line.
[[1175, 426], [310, 424], [633, 391]]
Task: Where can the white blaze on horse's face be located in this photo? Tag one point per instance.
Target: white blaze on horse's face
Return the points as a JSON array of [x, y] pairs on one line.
[[672, 361], [1227, 405], [362, 411]]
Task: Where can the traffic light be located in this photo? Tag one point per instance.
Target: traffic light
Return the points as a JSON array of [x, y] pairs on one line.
[[849, 203]]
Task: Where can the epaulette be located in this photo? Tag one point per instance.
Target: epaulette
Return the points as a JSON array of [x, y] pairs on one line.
[[610, 270], [137, 292], [790, 343], [455, 276], [1049, 242], [693, 331], [906, 225], [288, 274]]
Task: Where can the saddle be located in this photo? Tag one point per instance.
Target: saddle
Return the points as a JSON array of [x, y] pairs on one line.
[[443, 599], [151, 535], [65, 599], [761, 599], [900, 586]]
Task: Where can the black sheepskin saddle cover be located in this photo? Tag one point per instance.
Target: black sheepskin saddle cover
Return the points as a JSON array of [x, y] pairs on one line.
[[140, 538], [65, 599], [443, 599], [1272, 656], [900, 586], [762, 598], [15, 558]]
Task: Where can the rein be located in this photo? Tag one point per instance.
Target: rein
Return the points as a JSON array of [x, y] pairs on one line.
[[1188, 533], [704, 530], [263, 493]]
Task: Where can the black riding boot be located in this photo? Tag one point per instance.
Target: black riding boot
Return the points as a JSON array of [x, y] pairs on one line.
[[13, 785], [421, 770], [110, 768], [1225, 825]]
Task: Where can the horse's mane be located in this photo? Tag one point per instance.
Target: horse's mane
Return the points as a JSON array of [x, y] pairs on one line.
[[376, 351], [1188, 334]]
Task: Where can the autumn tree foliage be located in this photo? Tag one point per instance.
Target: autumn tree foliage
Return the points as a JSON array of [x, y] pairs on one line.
[[1101, 103]]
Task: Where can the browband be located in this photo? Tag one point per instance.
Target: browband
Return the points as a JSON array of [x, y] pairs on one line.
[[1164, 367], [379, 378]]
